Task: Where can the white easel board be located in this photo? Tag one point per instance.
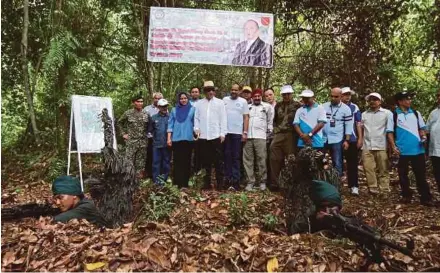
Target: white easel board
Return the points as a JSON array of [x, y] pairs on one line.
[[89, 129]]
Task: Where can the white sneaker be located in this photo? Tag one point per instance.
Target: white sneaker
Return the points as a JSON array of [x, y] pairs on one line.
[[355, 191], [262, 186], [249, 187]]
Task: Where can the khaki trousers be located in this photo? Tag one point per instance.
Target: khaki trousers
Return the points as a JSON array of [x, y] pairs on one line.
[[255, 151], [280, 148], [376, 161]]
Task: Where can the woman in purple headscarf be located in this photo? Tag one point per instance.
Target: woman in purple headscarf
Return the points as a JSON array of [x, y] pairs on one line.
[[180, 138]]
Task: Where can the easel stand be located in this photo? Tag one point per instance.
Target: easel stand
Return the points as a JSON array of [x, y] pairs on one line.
[[73, 152]]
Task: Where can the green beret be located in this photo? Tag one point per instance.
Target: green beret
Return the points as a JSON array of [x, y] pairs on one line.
[[66, 185], [322, 191]]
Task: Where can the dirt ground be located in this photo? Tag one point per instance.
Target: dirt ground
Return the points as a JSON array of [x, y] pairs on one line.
[[199, 235]]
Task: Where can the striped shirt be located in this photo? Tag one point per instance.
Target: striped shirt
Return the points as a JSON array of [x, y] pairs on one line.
[[343, 122]]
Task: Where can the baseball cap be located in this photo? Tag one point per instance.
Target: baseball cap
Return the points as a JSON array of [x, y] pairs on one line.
[[347, 90], [162, 102], [403, 95], [286, 89], [246, 88], [307, 93], [374, 94]]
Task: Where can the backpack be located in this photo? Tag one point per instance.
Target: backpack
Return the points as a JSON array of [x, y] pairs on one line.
[[395, 120]]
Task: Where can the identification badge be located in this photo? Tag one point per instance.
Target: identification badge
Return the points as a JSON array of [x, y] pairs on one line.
[[332, 123]]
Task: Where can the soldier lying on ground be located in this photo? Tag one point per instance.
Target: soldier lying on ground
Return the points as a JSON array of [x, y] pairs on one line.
[[70, 199]]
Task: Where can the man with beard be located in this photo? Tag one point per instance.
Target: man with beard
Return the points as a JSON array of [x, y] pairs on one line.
[[254, 153]]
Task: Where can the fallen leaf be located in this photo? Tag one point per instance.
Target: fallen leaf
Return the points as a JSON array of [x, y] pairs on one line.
[[94, 266], [8, 258], [252, 232], [408, 229], [402, 257], [217, 238], [214, 205], [272, 265]]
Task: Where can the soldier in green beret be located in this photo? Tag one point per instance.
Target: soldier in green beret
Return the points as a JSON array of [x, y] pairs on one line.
[[70, 199]]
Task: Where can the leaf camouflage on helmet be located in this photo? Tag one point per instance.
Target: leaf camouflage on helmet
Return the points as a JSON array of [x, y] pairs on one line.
[[114, 193], [296, 177]]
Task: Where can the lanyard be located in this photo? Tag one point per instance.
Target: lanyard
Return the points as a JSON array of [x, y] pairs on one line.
[[331, 109]]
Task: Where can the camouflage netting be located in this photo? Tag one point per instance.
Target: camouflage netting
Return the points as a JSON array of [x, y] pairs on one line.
[[114, 193], [296, 177]]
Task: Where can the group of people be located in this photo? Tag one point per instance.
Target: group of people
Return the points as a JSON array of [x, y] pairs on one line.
[[248, 130]]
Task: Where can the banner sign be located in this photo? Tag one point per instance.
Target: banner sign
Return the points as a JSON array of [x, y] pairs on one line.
[[89, 130], [210, 37]]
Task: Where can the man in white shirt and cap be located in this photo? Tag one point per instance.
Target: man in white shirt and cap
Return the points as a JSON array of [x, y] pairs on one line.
[[210, 126], [373, 137]]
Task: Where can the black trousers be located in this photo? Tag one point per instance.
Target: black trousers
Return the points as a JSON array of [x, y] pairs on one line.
[[211, 153], [181, 162], [435, 160], [419, 168], [351, 156], [149, 161]]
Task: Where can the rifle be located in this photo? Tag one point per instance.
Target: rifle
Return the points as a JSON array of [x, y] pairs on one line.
[[29, 210], [371, 241]]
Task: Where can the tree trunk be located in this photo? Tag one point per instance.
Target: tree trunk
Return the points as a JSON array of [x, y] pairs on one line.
[[267, 78], [27, 89]]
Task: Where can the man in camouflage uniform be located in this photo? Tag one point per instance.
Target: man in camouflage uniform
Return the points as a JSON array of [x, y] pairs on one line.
[[284, 141], [297, 176], [133, 126]]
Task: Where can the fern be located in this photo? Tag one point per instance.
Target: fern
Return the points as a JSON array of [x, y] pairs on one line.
[[62, 48]]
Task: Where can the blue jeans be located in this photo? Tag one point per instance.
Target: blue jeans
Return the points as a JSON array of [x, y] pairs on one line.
[[335, 150], [161, 164], [232, 157]]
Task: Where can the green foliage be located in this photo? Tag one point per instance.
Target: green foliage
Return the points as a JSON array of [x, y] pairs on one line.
[[196, 181], [57, 167], [270, 221], [160, 201], [62, 48], [239, 210]]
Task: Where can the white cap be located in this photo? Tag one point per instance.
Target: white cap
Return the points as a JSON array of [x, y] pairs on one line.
[[347, 90], [162, 102], [374, 94], [307, 94], [286, 89]]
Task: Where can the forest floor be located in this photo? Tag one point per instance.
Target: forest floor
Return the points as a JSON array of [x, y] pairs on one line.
[[202, 234]]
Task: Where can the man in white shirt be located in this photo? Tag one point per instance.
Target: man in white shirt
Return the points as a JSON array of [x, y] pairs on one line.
[[210, 126], [151, 110], [373, 137], [255, 149], [433, 127], [237, 112]]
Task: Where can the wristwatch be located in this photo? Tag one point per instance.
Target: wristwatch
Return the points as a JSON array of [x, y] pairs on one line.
[[310, 134]]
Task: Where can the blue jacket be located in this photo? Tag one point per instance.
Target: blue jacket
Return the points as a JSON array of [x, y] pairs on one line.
[[158, 128], [181, 130]]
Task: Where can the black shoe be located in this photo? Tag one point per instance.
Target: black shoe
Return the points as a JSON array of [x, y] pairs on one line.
[[274, 188]]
